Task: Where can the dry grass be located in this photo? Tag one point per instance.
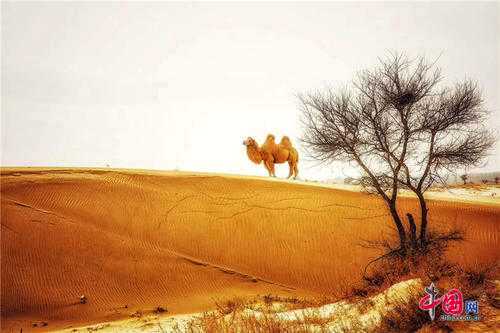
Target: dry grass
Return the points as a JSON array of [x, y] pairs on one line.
[[402, 317], [426, 262], [405, 316], [262, 315], [251, 322], [477, 281], [258, 315]]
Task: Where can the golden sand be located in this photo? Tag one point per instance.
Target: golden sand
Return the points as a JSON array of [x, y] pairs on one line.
[[135, 240]]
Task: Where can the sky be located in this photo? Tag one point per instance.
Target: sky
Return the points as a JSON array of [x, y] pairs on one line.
[[178, 86]]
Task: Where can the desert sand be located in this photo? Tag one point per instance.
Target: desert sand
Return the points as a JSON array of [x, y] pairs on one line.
[[132, 241]]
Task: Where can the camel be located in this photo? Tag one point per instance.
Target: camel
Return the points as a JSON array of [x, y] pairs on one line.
[[271, 153]]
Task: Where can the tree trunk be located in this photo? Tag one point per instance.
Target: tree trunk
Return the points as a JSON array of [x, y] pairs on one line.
[[423, 219], [399, 226], [413, 231]]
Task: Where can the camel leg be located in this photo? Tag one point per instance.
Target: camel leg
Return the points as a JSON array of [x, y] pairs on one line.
[[271, 165], [296, 170], [290, 173], [268, 167]]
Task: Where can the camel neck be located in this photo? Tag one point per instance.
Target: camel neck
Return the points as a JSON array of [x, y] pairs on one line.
[[254, 155]]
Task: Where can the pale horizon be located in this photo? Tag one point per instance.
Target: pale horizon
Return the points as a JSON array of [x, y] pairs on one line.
[[178, 86]]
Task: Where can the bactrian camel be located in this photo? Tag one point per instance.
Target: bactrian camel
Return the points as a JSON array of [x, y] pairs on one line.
[[271, 153]]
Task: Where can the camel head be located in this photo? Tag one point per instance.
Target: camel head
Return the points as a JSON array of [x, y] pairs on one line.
[[253, 150], [250, 142]]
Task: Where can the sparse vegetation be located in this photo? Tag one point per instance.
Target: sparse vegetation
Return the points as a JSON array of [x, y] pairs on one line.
[[160, 309], [253, 315], [422, 262], [137, 314], [430, 264], [404, 316], [397, 310]]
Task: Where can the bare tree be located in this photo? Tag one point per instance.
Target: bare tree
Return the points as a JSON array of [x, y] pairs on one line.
[[497, 179], [450, 128], [400, 128], [464, 178]]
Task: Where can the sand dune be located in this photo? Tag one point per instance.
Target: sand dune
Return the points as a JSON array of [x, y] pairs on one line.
[[136, 240]]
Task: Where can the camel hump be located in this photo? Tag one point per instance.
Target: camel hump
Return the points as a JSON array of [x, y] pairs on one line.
[[285, 142], [269, 145]]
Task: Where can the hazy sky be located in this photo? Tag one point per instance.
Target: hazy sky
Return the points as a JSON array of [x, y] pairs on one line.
[[180, 85]]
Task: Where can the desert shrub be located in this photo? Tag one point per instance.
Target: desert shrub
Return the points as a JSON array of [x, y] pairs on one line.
[[478, 281], [230, 306], [240, 321], [421, 261], [477, 274], [159, 309]]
